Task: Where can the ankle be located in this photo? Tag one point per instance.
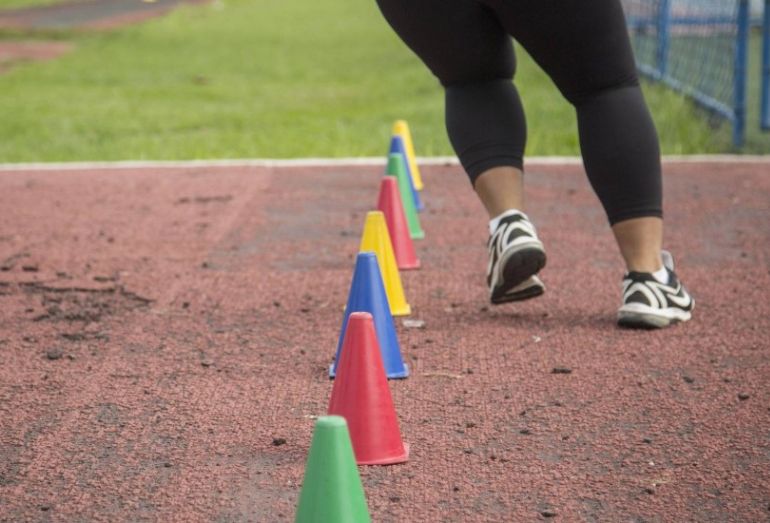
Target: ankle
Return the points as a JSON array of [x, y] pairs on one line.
[[500, 189], [494, 221], [650, 265], [661, 275]]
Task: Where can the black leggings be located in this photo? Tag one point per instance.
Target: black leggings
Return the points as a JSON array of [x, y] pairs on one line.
[[582, 45]]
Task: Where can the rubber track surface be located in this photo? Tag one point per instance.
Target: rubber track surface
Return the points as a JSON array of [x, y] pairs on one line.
[[165, 336]]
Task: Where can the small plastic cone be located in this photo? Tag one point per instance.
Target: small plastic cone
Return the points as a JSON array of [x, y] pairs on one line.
[[367, 294], [361, 395], [397, 147], [376, 239], [396, 168], [389, 202], [332, 489], [401, 128]]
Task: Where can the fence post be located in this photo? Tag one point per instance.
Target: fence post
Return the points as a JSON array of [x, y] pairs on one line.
[[739, 76], [765, 87], [664, 31]]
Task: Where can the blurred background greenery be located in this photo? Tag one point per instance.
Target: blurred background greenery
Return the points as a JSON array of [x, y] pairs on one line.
[[274, 79], [14, 4]]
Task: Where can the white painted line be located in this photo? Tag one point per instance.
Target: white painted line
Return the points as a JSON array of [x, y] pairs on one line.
[[184, 164], [717, 158], [340, 162]]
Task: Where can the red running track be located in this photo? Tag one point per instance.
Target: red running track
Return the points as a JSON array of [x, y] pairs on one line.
[[165, 336]]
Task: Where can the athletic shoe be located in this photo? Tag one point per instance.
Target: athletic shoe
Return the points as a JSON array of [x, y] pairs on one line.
[[649, 304], [515, 256]]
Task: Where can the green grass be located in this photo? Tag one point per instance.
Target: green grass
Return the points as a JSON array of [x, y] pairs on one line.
[[267, 78], [701, 48], [19, 4]]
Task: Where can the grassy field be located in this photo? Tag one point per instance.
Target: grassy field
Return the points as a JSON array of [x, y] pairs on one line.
[[19, 4], [272, 78]]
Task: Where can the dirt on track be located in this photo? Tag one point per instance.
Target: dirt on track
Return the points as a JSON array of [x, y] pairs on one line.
[[165, 336]]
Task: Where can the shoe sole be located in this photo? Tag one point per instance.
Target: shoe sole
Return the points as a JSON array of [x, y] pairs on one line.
[[515, 266], [526, 294], [640, 316]]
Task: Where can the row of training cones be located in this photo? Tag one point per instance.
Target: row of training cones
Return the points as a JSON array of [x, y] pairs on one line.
[[389, 231], [376, 287], [362, 426]]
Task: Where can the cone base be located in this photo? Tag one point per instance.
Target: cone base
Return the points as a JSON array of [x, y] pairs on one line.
[[390, 375], [399, 375], [410, 266], [392, 460], [406, 310]]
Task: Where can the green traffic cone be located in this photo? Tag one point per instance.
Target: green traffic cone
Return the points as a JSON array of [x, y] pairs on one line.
[[397, 167], [332, 490]]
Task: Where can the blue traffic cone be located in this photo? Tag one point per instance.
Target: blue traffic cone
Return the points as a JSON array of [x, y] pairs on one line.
[[367, 294], [397, 147]]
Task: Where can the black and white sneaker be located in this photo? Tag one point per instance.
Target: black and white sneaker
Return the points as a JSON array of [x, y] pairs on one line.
[[515, 256], [649, 304]]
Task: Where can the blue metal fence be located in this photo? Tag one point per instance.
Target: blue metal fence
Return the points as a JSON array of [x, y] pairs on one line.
[[741, 70], [698, 47], [765, 83]]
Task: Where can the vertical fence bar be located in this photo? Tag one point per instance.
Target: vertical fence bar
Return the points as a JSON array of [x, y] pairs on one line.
[[664, 33], [765, 87], [739, 77]]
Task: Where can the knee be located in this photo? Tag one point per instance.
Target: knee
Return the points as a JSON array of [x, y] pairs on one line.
[[581, 92], [486, 125], [476, 74]]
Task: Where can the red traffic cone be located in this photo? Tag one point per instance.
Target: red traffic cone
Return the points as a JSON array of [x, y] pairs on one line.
[[361, 395], [389, 202]]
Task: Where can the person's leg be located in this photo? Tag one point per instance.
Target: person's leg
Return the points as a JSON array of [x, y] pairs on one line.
[[622, 157], [487, 128], [640, 242], [584, 47], [466, 48]]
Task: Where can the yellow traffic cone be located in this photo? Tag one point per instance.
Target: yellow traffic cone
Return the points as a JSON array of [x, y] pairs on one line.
[[401, 128], [376, 238]]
